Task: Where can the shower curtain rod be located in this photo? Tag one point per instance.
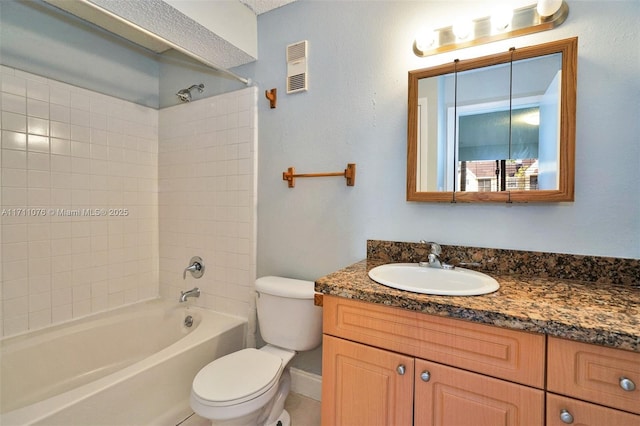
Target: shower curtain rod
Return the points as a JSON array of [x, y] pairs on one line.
[[168, 43]]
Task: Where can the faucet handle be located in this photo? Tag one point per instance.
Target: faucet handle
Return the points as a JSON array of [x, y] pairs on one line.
[[196, 267], [468, 264], [435, 247]]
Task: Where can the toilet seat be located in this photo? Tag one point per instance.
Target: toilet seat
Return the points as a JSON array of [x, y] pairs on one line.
[[236, 378]]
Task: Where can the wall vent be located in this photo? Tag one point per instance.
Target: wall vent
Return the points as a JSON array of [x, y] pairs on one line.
[[297, 72]]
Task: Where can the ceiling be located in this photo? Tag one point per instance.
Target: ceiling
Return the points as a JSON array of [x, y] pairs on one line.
[[159, 27], [262, 6]]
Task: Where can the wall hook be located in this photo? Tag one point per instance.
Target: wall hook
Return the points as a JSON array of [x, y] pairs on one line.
[[272, 95]]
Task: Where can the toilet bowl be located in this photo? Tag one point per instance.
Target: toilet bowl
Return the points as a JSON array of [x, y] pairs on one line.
[[249, 387]]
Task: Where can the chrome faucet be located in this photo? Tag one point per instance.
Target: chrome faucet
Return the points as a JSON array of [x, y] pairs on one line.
[[434, 261], [194, 292]]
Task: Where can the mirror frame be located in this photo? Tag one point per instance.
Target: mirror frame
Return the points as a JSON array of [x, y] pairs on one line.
[[567, 133]]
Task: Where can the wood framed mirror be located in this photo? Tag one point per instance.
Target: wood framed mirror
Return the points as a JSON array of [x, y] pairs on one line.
[[500, 128]]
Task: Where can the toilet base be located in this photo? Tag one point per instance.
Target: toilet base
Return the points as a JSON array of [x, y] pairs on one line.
[[283, 420]]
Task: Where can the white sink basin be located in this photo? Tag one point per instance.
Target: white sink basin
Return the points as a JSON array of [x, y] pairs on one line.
[[427, 280]]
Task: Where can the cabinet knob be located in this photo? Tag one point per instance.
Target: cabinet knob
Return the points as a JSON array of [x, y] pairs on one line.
[[627, 384], [425, 376], [401, 369], [566, 417]]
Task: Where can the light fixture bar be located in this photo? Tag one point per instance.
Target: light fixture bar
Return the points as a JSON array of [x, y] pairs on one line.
[[525, 21]]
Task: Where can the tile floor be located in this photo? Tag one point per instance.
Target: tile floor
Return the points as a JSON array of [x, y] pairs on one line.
[[304, 412]]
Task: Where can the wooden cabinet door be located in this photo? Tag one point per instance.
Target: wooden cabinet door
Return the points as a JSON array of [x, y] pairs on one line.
[[362, 385], [579, 413], [453, 397]]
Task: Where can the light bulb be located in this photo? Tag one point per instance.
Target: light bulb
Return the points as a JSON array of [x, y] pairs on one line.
[[462, 28], [548, 7], [425, 39], [501, 18]]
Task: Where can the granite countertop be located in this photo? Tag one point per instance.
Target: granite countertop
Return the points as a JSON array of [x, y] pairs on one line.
[[588, 312]]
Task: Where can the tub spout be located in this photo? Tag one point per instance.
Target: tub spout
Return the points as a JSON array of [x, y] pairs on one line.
[[194, 292]]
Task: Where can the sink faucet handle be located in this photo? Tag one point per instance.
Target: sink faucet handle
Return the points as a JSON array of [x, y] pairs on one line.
[[468, 264], [196, 267], [435, 247]]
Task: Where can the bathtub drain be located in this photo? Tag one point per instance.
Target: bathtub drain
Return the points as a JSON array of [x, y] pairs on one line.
[[188, 321]]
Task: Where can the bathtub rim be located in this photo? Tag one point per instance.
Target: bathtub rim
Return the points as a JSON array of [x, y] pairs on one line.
[[42, 409], [86, 318]]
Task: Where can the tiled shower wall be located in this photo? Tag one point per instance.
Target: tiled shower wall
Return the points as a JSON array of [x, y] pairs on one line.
[[79, 223], [95, 215], [207, 200]]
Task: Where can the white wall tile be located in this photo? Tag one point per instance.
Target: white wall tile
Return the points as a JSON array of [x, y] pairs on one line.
[[14, 84], [37, 143], [14, 198], [60, 130], [39, 319], [37, 108], [59, 94], [55, 154], [14, 140], [14, 103], [12, 289], [61, 313], [38, 90], [14, 122], [59, 113], [38, 161], [199, 193]]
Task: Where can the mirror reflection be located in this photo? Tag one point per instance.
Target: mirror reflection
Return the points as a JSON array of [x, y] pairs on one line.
[[493, 128]]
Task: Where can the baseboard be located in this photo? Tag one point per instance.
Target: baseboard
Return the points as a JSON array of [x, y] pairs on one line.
[[305, 383]]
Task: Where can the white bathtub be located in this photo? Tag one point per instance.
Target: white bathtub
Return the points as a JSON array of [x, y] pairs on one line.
[[131, 366]]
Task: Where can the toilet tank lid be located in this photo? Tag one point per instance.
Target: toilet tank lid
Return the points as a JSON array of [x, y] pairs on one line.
[[285, 287]]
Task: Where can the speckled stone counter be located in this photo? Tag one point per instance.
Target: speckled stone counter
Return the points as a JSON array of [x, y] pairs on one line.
[[604, 311]]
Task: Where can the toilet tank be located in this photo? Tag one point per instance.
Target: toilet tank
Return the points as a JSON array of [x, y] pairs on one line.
[[287, 316]]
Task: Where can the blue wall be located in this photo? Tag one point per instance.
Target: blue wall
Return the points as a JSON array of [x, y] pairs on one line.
[[355, 111]]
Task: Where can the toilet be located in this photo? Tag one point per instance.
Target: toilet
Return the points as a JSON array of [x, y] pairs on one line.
[[250, 386]]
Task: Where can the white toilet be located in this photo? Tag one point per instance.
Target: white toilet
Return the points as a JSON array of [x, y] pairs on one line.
[[249, 387]]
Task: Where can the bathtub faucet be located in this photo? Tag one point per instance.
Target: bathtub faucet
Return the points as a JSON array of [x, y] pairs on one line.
[[194, 292]]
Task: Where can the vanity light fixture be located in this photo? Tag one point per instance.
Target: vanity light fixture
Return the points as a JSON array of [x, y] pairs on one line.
[[503, 24]]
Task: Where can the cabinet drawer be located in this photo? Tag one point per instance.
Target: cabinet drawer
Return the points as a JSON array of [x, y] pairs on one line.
[[508, 354], [585, 413], [594, 373], [452, 397]]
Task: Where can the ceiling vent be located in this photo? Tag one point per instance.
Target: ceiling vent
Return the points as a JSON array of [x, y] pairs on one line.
[[297, 73]]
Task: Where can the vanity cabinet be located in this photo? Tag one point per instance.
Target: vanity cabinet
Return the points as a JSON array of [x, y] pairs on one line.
[[390, 366]]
